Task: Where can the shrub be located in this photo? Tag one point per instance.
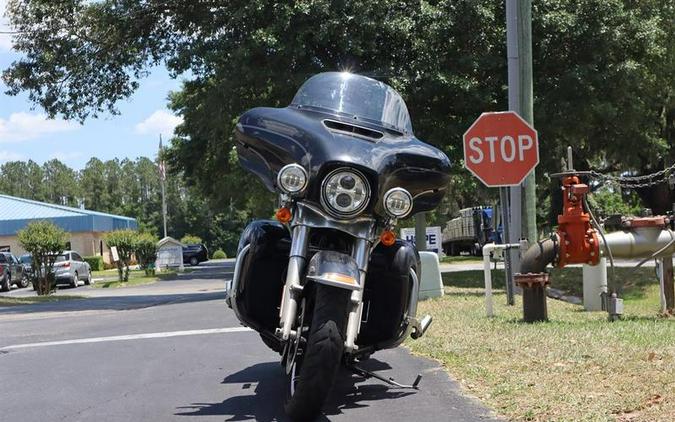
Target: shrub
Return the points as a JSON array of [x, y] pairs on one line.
[[125, 242], [95, 262], [219, 254], [189, 239], [146, 252], [44, 241]]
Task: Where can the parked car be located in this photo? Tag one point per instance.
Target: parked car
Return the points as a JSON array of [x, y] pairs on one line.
[[27, 264], [69, 268], [194, 254], [11, 272]]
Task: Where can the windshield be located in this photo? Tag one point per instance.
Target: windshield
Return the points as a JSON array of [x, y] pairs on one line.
[[25, 259], [61, 258], [355, 96]]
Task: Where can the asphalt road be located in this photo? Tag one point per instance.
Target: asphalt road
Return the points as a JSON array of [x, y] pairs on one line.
[[173, 351]]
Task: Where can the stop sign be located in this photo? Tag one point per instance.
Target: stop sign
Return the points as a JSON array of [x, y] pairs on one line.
[[501, 148]]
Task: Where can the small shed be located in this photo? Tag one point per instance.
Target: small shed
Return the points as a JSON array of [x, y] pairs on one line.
[[169, 254]]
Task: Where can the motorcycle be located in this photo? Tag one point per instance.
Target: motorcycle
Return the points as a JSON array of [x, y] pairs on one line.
[[329, 283]]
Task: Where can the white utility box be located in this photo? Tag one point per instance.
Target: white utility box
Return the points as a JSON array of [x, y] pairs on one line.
[[431, 283]]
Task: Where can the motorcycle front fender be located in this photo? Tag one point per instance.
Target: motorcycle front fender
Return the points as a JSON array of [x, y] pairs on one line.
[[334, 269]]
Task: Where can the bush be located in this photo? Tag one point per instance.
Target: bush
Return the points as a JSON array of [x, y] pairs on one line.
[[146, 252], [125, 242], [95, 262], [189, 239], [44, 241], [219, 254]]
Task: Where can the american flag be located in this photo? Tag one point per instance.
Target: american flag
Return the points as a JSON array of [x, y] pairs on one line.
[[161, 165]]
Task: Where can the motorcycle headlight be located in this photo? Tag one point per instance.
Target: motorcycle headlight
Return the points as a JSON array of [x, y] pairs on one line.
[[398, 202], [345, 192], [292, 178]]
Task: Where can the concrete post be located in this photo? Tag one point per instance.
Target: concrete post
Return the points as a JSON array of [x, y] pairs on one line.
[[595, 283]]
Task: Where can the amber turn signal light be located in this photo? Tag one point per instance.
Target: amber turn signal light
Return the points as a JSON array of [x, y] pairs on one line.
[[388, 238], [283, 214]]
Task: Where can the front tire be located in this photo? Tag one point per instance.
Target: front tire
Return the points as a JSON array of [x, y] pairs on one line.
[[88, 281], [194, 261], [313, 371], [23, 283], [6, 283]]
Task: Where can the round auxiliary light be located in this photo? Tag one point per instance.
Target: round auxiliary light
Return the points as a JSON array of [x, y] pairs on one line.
[[398, 202], [292, 178], [345, 192]]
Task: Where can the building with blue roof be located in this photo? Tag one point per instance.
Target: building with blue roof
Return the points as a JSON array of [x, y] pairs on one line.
[[86, 228]]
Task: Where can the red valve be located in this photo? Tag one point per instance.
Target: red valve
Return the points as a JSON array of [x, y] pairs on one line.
[[578, 240]]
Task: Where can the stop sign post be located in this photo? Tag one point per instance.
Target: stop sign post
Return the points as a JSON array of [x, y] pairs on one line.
[[501, 149]]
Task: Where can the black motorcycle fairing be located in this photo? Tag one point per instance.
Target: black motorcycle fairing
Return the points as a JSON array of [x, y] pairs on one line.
[[269, 138], [262, 274], [387, 294]]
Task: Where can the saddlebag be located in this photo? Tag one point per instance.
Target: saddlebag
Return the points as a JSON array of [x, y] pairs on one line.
[[387, 294], [262, 274]]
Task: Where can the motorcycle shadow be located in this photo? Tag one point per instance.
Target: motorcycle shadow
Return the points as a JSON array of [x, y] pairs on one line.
[[269, 384]]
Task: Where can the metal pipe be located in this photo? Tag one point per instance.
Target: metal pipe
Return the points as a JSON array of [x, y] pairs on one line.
[[487, 271], [641, 242], [539, 255]]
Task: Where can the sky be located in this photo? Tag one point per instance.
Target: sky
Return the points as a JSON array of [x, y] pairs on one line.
[[26, 133]]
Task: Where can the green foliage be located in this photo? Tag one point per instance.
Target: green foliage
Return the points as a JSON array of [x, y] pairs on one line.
[[125, 242], [189, 239], [610, 200], [95, 262], [44, 241], [146, 252], [603, 81], [219, 254]]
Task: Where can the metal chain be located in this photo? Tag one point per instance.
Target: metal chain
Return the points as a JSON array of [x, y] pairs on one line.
[[636, 182]]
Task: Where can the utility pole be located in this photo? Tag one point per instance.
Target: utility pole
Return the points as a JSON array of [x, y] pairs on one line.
[[162, 178], [519, 55], [420, 232]]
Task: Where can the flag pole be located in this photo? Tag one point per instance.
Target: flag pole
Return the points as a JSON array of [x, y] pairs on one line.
[[162, 178]]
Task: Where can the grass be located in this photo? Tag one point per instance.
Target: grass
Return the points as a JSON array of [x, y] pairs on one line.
[[461, 259], [104, 273], [15, 301], [578, 366], [136, 278]]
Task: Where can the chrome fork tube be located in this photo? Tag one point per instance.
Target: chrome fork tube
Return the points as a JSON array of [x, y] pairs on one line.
[[296, 265], [361, 254]]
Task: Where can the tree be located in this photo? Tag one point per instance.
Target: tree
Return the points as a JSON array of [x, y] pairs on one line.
[[44, 241], [146, 252], [61, 184], [190, 239], [22, 179], [603, 72], [125, 243], [93, 186]]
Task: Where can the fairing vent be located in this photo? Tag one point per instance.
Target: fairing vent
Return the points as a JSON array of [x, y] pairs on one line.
[[360, 131]]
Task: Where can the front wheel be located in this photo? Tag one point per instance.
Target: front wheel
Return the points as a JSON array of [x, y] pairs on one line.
[[6, 283], [312, 371], [88, 281], [24, 281]]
